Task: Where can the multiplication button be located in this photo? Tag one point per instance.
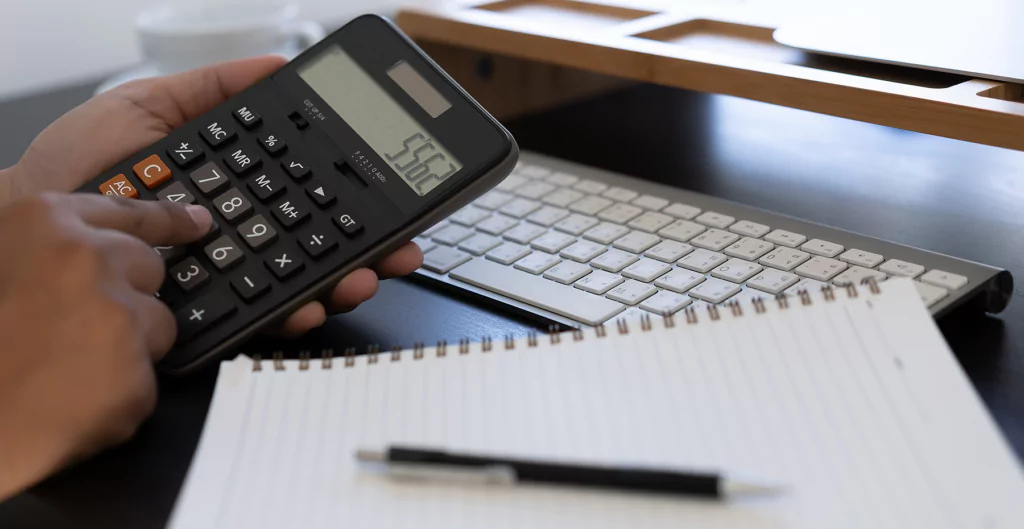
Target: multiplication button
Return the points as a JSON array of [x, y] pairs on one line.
[[201, 314], [317, 242], [284, 264]]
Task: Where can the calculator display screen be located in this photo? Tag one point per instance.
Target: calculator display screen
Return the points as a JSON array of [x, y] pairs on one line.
[[419, 159]]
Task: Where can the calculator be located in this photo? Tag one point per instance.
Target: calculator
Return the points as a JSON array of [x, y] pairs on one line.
[[326, 166]]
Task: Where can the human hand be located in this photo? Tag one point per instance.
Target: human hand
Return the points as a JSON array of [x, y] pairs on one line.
[[80, 325], [116, 124]]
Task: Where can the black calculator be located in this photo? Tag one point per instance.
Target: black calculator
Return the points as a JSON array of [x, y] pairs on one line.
[[328, 165]]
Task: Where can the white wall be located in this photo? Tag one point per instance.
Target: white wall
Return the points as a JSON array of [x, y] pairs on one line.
[[50, 43]]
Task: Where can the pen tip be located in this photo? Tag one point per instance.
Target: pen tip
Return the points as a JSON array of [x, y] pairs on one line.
[[370, 456], [747, 488]]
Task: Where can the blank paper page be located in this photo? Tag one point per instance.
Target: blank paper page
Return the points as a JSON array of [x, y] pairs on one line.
[[855, 404]]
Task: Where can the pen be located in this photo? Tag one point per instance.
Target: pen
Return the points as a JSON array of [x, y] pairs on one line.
[[414, 463]]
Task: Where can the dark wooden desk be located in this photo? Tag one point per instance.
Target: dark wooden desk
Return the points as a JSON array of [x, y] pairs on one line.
[[952, 197]]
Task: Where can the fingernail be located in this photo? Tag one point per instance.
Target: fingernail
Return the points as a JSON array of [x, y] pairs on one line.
[[201, 216]]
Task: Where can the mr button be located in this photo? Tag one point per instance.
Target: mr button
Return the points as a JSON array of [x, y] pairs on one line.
[[152, 171], [347, 224]]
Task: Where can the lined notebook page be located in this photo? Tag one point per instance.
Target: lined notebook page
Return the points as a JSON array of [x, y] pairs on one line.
[[857, 405]]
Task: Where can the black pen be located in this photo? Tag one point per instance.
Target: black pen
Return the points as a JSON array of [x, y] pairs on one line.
[[413, 463]]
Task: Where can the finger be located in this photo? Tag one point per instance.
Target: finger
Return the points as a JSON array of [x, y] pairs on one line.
[[157, 324], [307, 318], [155, 222], [132, 260], [353, 290], [402, 262]]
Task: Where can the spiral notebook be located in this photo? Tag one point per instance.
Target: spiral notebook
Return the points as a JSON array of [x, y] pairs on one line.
[[849, 397]]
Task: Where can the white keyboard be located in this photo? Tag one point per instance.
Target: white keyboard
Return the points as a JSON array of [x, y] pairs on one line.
[[578, 245]]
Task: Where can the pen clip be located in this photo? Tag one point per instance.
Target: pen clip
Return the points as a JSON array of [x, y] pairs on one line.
[[484, 475]]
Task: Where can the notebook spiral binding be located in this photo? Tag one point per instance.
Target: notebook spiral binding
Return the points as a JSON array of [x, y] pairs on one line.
[[758, 304]]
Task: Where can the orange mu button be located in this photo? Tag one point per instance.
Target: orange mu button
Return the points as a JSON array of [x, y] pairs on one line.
[[119, 186], [152, 171]]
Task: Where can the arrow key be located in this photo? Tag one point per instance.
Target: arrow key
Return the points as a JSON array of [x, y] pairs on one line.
[[317, 242], [321, 194]]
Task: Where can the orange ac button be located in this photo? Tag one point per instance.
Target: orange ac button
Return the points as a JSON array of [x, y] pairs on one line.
[[152, 171], [119, 186]]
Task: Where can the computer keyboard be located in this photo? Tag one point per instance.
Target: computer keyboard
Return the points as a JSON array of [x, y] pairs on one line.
[[578, 245]]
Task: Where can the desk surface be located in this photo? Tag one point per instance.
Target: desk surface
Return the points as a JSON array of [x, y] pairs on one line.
[[939, 194]]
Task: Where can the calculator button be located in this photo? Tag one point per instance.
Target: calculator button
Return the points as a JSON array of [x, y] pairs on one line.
[[170, 254], [295, 169], [250, 285], [299, 121], [185, 153], [212, 234], [189, 274], [347, 224], [317, 242], [284, 264], [240, 162], [273, 144], [168, 294], [247, 118], [224, 253], [217, 134], [201, 314], [119, 186], [209, 178], [257, 233], [176, 192], [152, 171], [232, 205], [266, 187], [323, 196], [290, 214]]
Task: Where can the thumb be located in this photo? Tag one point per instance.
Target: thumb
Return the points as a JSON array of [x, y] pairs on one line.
[[155, 222]]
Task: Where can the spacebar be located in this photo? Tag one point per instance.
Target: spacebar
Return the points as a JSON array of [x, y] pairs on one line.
[[521, 286]]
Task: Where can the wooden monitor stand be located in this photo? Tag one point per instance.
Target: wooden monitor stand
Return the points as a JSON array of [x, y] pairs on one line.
[[523, 55]]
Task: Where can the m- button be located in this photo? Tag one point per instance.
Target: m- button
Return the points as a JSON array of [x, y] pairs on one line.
[[152, 171]]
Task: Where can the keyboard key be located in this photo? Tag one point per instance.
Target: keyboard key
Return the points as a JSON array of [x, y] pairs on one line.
[[665, 303], [715, 220], [861, 258], [532, 171], [524, 233], [442, 259], [480, 244], [567, 272], [257, 233], [425, 244], [714, 239], [317, 242], [810, 285], [702, 260], [749, 248], [537, 262], [668, 251], [452, 235], [620, 194], [217, 134], [613, 260], [212, 234], [598, 282], [822, 248], [224, 253], [176, 192], [547, 216], [508, 253], [273, 144], [946, 280], [545, 294], [896, 267], [429, 232], [590, 205], [511, 182], [714, 291], [576, 224], [583, 251], [646, 270], [650, 202], [589, 186], [198, 316], [241, 162], [562, 179], [773, 281], [562, 197], [857, 274], [189, 274], [680, 280], [295, 169], [185, 153], [552, 242], [821, 268], [930, 295], [750, 229], [321, 195], [620, 213], [251, 285], [247, 118], [266, 186], [469, 215], [347, 224], [681, 230], [209, 179], [605, 232], [784, 258], [496, 224], [290, 213], [152, 171], [520, 207], [170, 254], [651, 221], [284, 264], [736, 270], [493, 199], [534, 190], [682, 211], [632, 292], [637, 242], [785, 238], [232, 205], [119, 186]]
